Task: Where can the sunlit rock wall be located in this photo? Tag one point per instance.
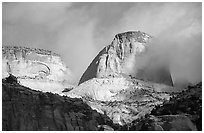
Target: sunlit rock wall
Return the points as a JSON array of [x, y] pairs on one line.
[[36, 68], [120, 57]]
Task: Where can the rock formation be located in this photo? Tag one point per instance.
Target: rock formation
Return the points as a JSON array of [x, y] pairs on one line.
[[30, 110], [116, 92], [122, 99], [112, 89], [119, 58], [36, 68], [188, 102], [24, 109], [162, 123], [114, 77]]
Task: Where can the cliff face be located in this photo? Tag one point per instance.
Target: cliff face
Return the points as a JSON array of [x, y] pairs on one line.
[[120, 58], [24, 109], [36, 68], [127, 90]]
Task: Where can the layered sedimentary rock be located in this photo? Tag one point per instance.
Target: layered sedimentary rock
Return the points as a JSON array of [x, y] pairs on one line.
[[36, 68], [128, 101], [115, 89], [120, 57], [122, 99], [99, 89]]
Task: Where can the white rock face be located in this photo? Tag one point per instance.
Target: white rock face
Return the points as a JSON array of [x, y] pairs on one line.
[[119, 58], [36, 68], [122, 99], [99, 89], [107, 87], [116, 89]]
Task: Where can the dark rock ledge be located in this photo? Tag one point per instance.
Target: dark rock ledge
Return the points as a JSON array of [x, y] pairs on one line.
[[24, 109]]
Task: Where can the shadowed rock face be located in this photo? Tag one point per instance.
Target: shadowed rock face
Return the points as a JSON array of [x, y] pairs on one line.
[[120, 58], [36, 68], [188, 102], [163, 123], [29, 110], [24, 109]]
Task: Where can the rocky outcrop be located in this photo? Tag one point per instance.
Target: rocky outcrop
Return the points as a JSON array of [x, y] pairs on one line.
[[116, 85], [99, 89], [122, 99], [36, 68], [120, 57], [162, 123], [24, 109], [187, 102], [30, 110], [115, 89], [143, 106]]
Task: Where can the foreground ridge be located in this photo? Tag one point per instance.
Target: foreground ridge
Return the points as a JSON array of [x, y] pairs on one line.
[[24, 109]]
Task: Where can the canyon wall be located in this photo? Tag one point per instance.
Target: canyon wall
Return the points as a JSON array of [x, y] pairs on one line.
[[36, 68]]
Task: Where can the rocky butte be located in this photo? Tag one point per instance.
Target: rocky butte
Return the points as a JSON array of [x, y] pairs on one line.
[[36, 68], [120, 57], [116, 85]]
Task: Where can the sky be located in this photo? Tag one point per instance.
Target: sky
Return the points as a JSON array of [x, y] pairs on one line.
[[78, 31]]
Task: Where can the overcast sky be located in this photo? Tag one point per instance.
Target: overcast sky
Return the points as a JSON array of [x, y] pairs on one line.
[[78, 31]]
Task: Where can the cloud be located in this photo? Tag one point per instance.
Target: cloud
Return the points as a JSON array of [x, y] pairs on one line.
[[52, 26], [37, 13], [78, 31], [177, 28]]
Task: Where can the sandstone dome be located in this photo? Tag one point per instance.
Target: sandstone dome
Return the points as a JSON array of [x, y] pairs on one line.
[[111, 86], [120, 58]]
